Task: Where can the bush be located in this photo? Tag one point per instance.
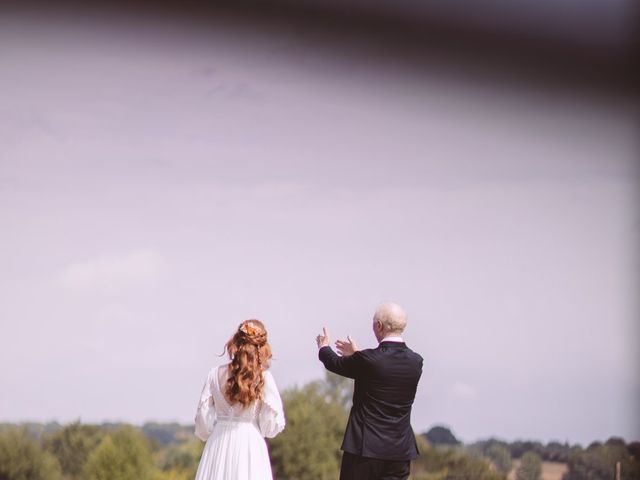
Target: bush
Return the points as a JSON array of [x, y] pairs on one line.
[[180, 460], [530, 467], [21, 458], [122, 455], [309, 447], [449, 464], [598, 462], [72, 445], [500, 456]]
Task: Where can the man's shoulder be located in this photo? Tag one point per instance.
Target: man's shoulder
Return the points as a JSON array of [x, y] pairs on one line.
[[380, 351], [402, 346], [415, 354], [416, 357], [367, 352]]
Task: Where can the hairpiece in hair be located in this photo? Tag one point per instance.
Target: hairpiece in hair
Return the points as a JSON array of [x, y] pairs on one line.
[[249, 329]]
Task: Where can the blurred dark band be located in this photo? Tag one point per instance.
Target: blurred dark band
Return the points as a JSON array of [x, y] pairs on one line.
[[590, 43]]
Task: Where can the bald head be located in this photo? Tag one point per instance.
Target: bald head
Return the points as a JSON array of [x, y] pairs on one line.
[[392, 317]]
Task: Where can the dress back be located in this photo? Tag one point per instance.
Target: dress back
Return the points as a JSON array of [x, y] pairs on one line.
[[227, 411]]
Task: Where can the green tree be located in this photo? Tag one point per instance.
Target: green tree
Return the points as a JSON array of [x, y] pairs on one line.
[[180, 461], [72, 445], [500, 456], [436, 463], [309, 447], [22, 458], [163, 434], [338, 389], [122, 455], [634, 450], [530, 467], [599, 460], [172, 475], [440, 435]]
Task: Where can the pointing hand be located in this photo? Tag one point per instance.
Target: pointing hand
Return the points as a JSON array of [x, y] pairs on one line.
[[346, 347], [323, 339]]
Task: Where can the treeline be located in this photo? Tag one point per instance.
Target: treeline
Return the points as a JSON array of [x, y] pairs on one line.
[[308, 449], [595, 462], [556, 451], [92, 452]]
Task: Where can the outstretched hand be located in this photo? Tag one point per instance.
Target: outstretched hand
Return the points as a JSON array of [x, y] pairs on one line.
[[323, 339], [346, 347]]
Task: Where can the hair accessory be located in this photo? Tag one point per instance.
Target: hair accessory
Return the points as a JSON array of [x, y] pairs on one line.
[[249, 329]]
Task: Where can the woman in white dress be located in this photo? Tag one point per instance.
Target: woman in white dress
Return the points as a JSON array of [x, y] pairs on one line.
[[239, 406]]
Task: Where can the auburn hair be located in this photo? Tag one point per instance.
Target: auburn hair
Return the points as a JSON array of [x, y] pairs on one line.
[[249, 353]]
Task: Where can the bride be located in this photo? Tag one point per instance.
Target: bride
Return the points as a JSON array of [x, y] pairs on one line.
[[239, 405]]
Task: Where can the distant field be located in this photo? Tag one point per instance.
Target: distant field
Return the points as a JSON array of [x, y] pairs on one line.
[[550, 470]]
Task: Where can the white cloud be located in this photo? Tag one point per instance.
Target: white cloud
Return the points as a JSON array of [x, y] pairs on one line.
[[112, 270], [464, 390]]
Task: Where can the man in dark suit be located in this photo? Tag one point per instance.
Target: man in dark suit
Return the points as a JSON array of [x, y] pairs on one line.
[[379, 442]]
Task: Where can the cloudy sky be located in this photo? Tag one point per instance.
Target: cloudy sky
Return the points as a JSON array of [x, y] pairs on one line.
[[159, 184]]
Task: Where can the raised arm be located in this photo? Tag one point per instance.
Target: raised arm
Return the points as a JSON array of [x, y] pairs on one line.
[[348, 366]]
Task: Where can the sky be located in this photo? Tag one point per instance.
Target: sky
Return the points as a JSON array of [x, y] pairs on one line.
[[160, 183]]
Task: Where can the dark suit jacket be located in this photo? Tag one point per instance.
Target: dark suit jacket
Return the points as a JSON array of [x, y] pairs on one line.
[[386, 379]]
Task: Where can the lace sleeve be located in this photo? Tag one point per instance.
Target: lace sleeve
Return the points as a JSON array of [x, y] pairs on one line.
[[205, 414], [271, 419]]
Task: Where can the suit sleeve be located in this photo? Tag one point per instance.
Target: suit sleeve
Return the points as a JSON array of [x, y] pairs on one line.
[[350, 367]]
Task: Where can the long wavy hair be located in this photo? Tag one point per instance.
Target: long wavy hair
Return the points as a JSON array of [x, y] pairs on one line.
[[249, 353]]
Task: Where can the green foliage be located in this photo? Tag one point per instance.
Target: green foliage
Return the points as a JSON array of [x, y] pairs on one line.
[[519, 448], [164, 434], [551, 452], [122, 455], [72, 445], [634, 450], [422, 443], [500, 456], [339, 389], [556, 452], [615, 442], [173, 475], [450, 464], [180, 460], [530, 467], [440, 435], [309, 447], [598, 462], [33, 429], [22, 458]]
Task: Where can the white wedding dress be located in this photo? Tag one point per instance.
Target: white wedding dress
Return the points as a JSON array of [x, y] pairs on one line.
[[235, 448]]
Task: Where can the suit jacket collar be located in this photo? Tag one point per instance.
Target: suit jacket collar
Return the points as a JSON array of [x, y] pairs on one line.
[[392, 344]]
